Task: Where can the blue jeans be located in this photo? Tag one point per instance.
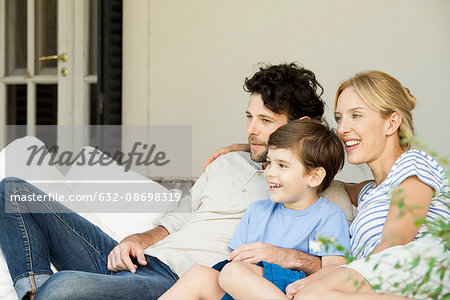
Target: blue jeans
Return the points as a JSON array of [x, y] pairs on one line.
[[76, 247]]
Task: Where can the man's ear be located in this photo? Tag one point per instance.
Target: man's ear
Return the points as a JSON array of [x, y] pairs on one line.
[[394, 122], [317, 176]]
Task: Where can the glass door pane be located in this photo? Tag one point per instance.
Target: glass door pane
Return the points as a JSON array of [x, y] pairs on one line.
[[16, 37], [46, 113], [16, 104], [46, 35], [46, 104]]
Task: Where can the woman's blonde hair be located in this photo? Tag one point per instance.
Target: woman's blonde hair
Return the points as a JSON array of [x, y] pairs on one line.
[[386, 95]]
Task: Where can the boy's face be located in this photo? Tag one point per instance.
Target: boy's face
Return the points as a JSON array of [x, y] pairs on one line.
[[288, 181], [261, 122]]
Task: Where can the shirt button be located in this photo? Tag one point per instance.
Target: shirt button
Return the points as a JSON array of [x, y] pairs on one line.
[[244, 190]]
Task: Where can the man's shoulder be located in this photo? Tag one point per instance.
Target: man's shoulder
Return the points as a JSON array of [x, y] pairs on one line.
[[235, 158]]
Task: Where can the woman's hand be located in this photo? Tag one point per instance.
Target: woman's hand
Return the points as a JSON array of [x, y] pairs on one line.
[[225, 150], [293, 288]]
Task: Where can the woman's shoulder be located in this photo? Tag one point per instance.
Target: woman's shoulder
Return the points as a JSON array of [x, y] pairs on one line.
[[417, 163]]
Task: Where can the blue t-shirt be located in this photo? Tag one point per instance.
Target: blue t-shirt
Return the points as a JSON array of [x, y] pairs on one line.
[[272, 223]]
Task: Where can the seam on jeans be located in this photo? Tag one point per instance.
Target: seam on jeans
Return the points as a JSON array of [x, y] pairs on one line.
[[28, 274], [30, 260], [65, 223]]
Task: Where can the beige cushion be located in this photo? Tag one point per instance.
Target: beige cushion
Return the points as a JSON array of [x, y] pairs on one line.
[[336, 193]]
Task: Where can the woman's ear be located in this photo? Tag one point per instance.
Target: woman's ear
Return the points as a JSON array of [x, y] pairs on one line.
[[317, 176], [394, 122]]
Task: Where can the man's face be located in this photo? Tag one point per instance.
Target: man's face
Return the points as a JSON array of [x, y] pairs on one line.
[[261, 122]]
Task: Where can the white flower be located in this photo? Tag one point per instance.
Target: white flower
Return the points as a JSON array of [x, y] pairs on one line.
[[315, 246]]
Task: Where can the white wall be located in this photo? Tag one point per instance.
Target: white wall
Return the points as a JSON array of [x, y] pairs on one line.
[[200, 51]]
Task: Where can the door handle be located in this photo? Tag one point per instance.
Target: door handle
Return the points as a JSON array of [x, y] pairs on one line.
[[62, 57]]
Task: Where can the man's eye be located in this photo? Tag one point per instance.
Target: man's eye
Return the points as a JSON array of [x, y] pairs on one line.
[[267, 121], [248, 116]]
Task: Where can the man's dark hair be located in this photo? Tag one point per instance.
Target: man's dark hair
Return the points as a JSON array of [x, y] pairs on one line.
[[288, 89], [314, 144]]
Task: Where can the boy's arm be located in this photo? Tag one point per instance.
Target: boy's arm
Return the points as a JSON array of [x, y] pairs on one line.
[[286, 258]]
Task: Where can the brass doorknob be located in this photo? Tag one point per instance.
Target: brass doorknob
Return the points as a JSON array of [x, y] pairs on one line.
[[62, 57], [64, 72]]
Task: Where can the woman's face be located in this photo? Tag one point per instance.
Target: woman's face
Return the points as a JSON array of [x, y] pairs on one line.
[[361, 129]]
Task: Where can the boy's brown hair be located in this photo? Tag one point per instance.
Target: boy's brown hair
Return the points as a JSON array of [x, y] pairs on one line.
[[315, 145]]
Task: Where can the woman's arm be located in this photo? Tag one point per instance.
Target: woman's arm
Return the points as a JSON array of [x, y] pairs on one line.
[[225, 150], [410, 203]]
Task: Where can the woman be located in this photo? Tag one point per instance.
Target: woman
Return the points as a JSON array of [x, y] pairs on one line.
[[373, 113]]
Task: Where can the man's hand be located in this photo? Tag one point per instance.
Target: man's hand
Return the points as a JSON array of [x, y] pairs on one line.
[[225, 150], [119, 259], [256, 252], [286, 258]]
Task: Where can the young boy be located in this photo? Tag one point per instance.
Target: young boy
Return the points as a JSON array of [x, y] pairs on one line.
[[303, 158]]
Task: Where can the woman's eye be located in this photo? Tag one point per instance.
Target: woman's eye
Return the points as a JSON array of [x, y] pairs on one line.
[[282, 166], [355, 116], [248, 116], [338, 119], [268, 162]]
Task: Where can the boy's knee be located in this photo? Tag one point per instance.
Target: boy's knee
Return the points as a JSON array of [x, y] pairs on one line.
[[199, 272], [230, 273]]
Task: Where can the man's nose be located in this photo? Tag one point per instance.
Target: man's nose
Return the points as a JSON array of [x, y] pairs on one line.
[[252, 128]]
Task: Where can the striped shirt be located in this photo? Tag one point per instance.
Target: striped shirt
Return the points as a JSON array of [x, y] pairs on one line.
[[374, 201]]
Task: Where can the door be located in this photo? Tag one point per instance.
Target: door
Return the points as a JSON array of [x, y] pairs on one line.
[[48, 65]]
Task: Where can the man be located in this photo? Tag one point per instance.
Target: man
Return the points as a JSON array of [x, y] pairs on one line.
[[219, 198]]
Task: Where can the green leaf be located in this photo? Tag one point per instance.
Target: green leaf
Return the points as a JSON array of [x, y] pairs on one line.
[[441, 273], [408, 287], [415, 262], [376, 286], [436, 291]]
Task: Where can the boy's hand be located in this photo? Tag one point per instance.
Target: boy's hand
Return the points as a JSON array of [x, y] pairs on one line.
[[119, 259]]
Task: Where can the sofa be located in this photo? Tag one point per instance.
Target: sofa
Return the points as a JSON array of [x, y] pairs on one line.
[[117, 225]]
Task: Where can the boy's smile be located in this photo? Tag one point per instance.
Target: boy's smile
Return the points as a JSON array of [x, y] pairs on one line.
[[288, 181]]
